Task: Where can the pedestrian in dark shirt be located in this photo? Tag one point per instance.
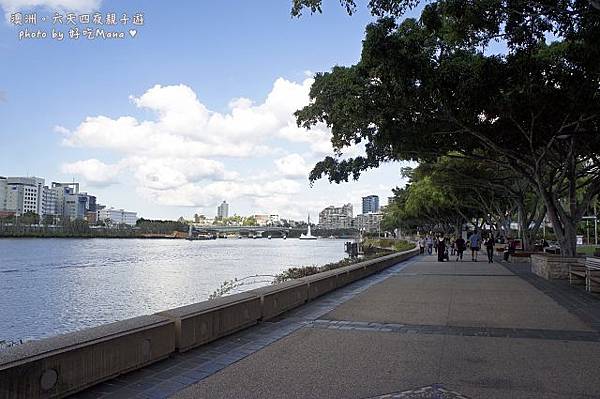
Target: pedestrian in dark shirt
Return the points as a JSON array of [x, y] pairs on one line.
[[460, 245], [489, 246], [441, 248]]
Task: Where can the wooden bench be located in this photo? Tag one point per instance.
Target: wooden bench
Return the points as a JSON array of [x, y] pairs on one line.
[[592, 281]]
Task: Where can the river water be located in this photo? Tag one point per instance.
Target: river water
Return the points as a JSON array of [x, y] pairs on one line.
[[53, 286]]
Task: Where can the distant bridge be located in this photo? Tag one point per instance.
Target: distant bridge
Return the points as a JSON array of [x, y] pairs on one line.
[[241, 229]]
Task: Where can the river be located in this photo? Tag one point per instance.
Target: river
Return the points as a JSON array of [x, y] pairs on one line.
[[54, 286]]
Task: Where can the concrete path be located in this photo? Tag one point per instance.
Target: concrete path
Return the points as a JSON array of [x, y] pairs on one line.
[[430, 330], [420, 329]]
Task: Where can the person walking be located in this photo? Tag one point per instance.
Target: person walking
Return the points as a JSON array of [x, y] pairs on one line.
[[460, 244], [441, 248], [429, 242], [475, 242], [422, 244], [489, 246]]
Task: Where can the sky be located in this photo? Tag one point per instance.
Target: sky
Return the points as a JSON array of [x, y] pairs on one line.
[[191, 108]]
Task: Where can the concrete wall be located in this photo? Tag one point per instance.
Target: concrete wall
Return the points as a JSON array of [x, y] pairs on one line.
[[63, 365], [207, 321], [279, 298], [553, 267], [58, 366]]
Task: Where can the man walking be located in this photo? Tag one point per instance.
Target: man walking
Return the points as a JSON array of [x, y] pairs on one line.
[[429, 245], [489, 246], [475, 242]]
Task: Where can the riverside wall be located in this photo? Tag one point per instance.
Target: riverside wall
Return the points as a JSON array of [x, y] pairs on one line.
[[60, 366]]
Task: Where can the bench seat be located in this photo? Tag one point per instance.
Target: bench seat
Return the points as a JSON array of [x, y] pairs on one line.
[[592, 281]]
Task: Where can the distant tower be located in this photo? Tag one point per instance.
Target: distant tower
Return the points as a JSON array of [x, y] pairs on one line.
[[370, 204], [223, 210]]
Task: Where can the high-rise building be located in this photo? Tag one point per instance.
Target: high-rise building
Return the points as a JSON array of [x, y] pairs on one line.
[[336, 217], [223, 210], [20, 195], [63, 200], [370, 204]]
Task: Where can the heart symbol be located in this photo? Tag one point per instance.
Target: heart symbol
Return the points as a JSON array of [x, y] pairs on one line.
[[132, 32]]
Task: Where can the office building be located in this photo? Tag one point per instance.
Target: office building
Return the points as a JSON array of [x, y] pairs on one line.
[[223, 211], [336, 217], [370, 204], [116, 217], [20, 195], [64, 200]]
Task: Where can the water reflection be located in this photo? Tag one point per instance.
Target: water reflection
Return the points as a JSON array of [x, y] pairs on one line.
[[48, 287]]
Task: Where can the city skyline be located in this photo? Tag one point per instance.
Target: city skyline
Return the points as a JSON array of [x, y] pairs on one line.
[[173, 136]]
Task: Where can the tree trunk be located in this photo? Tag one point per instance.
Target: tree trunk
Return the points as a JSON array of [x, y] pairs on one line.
[[564, 227]]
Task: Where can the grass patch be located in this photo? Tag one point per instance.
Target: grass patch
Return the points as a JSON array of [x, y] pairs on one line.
[[587, 250], [389, 244]]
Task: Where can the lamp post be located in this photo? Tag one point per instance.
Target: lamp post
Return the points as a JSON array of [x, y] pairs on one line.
[[595, 224]]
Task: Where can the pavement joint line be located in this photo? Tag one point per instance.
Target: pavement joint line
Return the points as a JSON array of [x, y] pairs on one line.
[[492, 332], [254, 339]]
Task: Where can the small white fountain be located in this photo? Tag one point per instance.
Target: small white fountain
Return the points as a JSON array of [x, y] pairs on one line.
[[308, 235]]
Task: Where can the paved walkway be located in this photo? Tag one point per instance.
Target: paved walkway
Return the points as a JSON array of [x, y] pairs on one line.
[[421, 329]]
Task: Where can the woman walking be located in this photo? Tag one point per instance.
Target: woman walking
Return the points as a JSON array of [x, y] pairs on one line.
[[441, 248]]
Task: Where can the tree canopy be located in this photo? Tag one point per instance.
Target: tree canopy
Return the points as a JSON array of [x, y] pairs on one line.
[[427, 88]]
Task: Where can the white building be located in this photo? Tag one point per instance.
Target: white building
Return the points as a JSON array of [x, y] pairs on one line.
[[21, 195], [266, 220], [336, 218], [369, 222], [117, 216], [223, 211]]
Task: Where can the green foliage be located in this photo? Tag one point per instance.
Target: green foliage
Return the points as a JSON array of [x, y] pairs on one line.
[[386, 243], [161, 226], [250, 221], [427, 88]]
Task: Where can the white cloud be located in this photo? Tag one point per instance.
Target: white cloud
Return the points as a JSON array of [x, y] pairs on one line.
[[211, 193], [95, 172], [293, 166], [180, 157], [185, 127], [61, 130]]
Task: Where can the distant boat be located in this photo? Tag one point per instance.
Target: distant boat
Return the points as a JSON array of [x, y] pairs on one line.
[[308, 235]]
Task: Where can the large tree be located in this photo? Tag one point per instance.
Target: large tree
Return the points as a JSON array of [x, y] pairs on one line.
[[425, 88]]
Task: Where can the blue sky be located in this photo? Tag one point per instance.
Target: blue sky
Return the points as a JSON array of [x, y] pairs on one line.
[[194, 110]]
